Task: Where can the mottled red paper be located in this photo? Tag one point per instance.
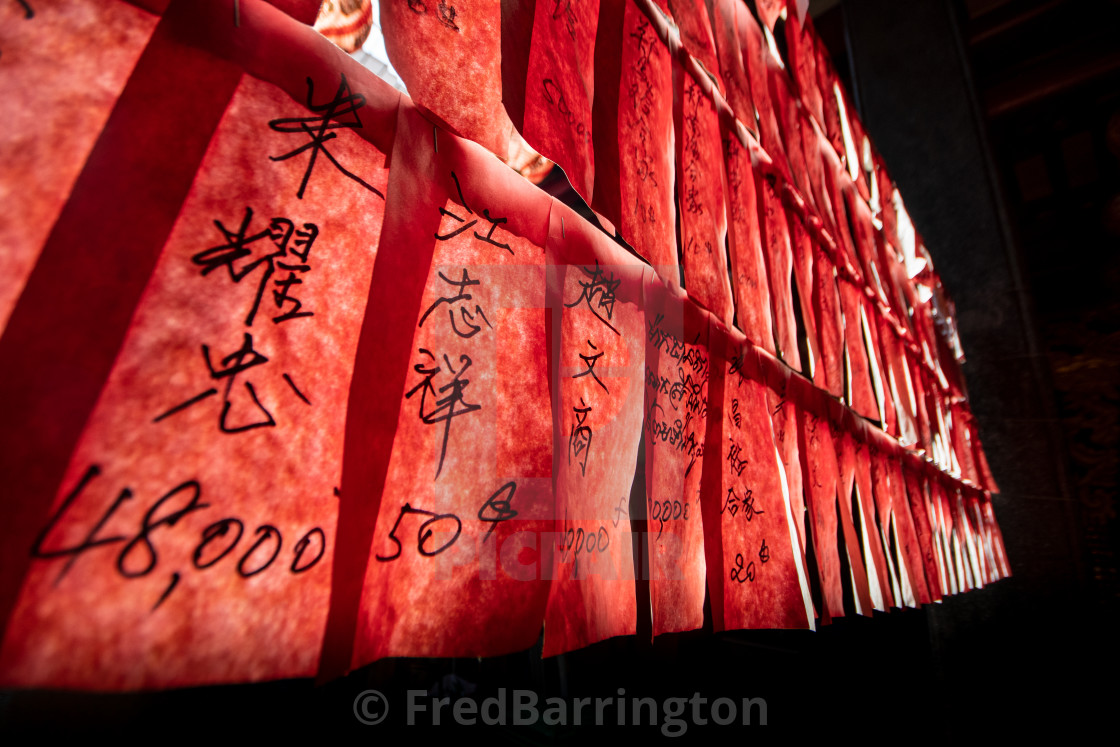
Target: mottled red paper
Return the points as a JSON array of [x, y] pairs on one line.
[[449, 56], [646, 165], [597, 292], [701, 193], [818, 465], [748, 262], [61, 71], [221, 422], [676, 416], [455, 565], [760, 573]]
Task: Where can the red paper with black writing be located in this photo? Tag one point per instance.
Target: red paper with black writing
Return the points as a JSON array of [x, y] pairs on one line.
[[916, 493], [760, 580], [826, 305], [802, 247], [597, 293], [736, 84], [855, 471], [457, 563], [560, 87], [58, 98], [193, 536], [449, 56], [787, 114], [821, 474], [646, 213], [775, 230], [701, 190], [748, 263], [676, 415]]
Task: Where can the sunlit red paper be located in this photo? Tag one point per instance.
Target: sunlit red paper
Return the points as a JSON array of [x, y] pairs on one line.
[[560, 86], [756, 572], [676, 416], [700, 194], [636, 186], [453, 567], [196, 519], [598, 396]]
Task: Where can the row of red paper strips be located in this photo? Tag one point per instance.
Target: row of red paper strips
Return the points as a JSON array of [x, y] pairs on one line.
[[297, 380], [783, 238]]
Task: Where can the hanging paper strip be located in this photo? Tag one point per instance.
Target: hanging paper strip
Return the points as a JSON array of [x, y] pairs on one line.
[[677, 408], [635, 173], [450, 58], [454, 565], [63, 102], [202, 485], [598, 397], [756, 574], [743, 161], [560, 87], [700, 194]]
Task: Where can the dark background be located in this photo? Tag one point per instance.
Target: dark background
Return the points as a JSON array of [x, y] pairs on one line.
[[1000, 123]]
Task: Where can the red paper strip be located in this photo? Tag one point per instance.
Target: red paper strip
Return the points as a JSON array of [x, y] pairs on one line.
[[676, 416], [920, 514], [450, 58], [758, 577], [456, 565], [209, 462], [748, 262], [855, 472], [597, 291], [634, 188], [818, 465], [701, 191], [560, 86], [906, 535], [58, 102]]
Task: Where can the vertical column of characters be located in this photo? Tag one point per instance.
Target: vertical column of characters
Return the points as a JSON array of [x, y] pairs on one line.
[[763, 576], [676, 413], [197, 516], [599, 396], [455, 566], [645, 209], [701, 196]]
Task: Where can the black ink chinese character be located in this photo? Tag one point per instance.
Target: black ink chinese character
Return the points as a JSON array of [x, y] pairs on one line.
[[579, 440], [740, 574], [449, 405], [447, 14], [467, 317], [235, 363], [319, 130], [238, 247], [764, 552], [598, 291], [590, 361]]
